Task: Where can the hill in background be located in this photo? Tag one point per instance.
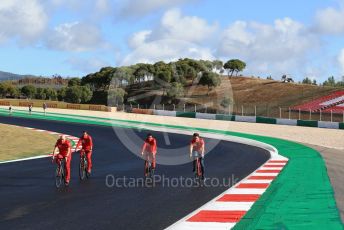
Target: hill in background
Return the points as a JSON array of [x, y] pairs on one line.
[[247, 92], [56, 81], [6, 76]]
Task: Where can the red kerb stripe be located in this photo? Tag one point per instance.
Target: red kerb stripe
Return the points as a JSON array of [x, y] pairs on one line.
[[253, 185], [277, 161], [262, 177], [239, 198], [273, 166], [217, 216], [268, 171]]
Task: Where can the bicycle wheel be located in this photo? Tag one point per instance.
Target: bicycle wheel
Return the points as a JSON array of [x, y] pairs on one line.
[[86, 167], [197, 172], [152, 172], [146, 169], [82, 170], [59, 176], [149, 169], [63, 173], [199, 169]]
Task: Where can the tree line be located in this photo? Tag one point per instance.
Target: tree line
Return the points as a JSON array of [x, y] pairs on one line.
[[56, 80], [171, 78], [331, 82], [74, 93]]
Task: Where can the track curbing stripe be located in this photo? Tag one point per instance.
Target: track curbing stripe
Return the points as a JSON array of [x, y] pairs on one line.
[[227, 209]]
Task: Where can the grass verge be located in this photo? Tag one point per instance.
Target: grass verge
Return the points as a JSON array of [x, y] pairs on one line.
[[19, 143]]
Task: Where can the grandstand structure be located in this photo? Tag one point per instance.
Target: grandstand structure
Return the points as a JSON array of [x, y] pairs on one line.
[[332, 103]]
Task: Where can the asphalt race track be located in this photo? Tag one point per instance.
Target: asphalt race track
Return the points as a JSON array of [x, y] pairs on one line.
[[29, 200]]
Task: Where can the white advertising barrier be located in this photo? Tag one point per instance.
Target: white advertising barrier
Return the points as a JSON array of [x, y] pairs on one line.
[[286, 122], [165, 113], [328, 124], [206, 116], [245, 119]]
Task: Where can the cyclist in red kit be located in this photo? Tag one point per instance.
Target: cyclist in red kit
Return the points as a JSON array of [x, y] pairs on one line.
[[64, 148], [86, 147], [197, 150], [149, 150]]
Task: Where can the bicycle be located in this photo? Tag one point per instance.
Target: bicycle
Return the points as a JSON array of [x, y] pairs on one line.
[[83, 165], [149, 171], [60, 172], [198, 171]]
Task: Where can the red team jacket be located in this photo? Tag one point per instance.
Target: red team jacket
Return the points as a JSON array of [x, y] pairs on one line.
[[149, 146], [197, 146], [63, 147], [86, 143]]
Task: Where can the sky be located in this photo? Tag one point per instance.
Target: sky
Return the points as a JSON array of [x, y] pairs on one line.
[[78, 37]]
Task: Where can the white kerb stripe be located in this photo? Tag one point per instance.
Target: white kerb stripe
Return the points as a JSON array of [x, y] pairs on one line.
[[265, 174], [275, 163], [203, 226], [228, 206], [270, 168], [251, 191], [257, 181]]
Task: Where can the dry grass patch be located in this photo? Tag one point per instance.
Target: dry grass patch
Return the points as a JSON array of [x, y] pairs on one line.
[[18, 142]]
